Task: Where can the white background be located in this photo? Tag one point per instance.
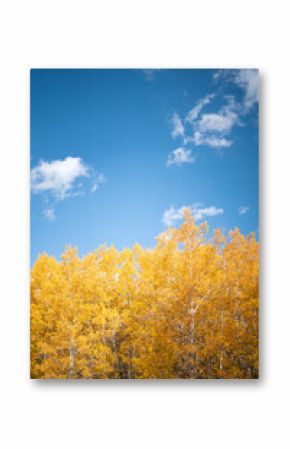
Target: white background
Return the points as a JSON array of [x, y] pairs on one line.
[[203, 414]]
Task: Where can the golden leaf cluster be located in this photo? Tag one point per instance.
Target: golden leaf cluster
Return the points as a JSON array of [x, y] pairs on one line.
[[186, 309]]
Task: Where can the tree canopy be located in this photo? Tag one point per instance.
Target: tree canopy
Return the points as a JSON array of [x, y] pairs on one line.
[[186, 309]]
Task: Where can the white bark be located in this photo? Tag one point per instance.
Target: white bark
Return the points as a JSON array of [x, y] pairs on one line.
[[71, 358]]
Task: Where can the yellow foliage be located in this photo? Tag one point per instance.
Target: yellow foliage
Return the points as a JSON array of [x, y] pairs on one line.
[[186, 309]]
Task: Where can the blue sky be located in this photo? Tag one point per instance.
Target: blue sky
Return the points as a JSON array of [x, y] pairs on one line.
[[117, 154]]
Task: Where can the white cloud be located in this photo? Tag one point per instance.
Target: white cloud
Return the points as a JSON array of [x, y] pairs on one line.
[[99, 179], [200, 213], [172, 216], [194, 113], [211, 141], [222, 75], [214, 129], [58, 177], [216, 75], [248, 79], [221, 122], [211, 129], [180, 156], [243, 210], [178, 128], [49, 214], [218, 142], [61, 179]]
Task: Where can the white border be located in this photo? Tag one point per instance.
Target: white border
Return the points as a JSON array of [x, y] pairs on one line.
[[144, 34]]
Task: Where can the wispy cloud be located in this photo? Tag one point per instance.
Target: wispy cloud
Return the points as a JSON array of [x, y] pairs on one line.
[[211, 141], [172, 215], [63, 178], [214, 128], [211, 129], [199, 105], [247, 80], [243, 210], [200, 213], [208, 129], [177, 126], [49, 214], [180, 156], [149, 74], [99, 179]]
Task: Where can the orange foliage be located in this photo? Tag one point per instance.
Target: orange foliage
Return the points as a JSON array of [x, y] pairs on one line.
[[186, 309]]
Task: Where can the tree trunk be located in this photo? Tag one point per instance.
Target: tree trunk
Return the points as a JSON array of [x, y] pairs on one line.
[[72, 351]]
